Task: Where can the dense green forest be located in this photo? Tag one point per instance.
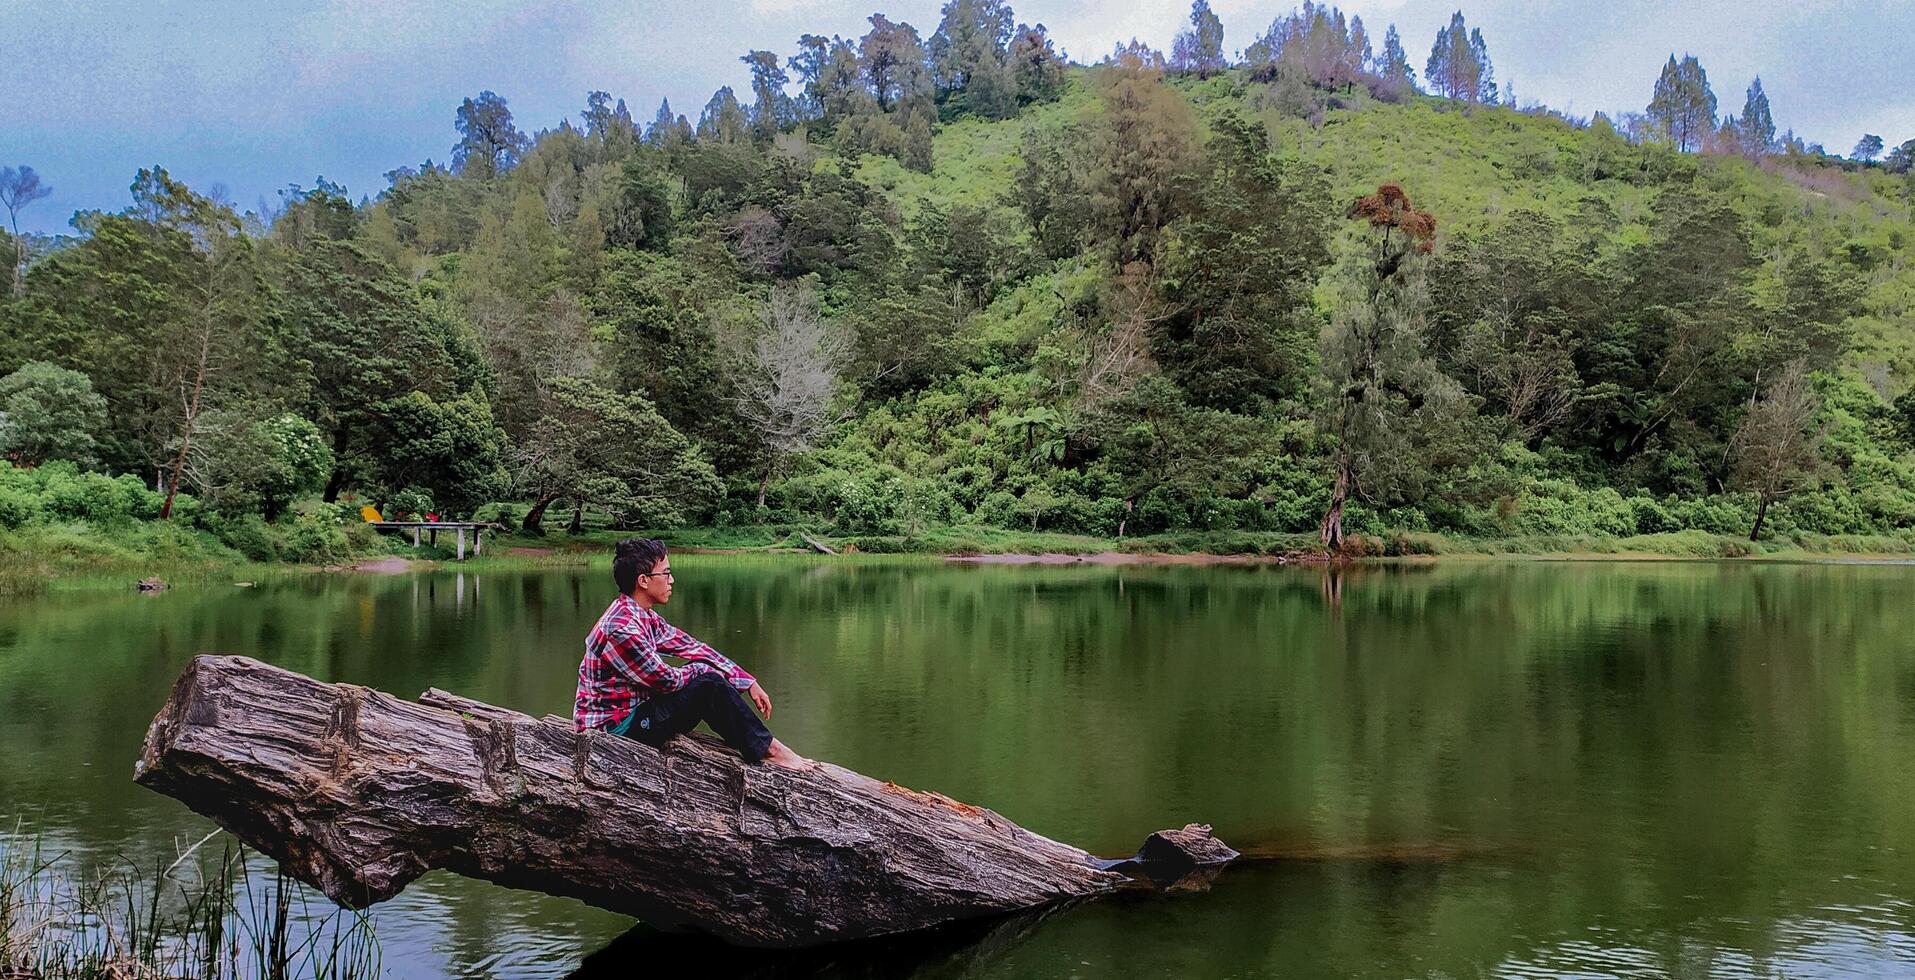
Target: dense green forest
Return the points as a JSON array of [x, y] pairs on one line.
[[913, 282]]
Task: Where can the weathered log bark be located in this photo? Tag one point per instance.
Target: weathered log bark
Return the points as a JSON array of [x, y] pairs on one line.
[[357, 793]]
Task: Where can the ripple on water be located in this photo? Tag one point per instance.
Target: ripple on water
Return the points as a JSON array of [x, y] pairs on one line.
[[1835, 941]]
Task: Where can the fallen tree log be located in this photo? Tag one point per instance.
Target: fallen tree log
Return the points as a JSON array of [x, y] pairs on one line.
[[357, 793]]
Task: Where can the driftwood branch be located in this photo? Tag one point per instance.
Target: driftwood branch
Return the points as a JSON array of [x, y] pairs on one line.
[[357, 793]]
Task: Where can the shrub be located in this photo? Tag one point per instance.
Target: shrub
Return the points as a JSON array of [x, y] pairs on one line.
[[997, 509], [69, 495], [316, 537], [1650, 516], [1830, 510], [1561, 507], [167, 541], [250, 536], [17, 508], [412, 501], [1715, 515]]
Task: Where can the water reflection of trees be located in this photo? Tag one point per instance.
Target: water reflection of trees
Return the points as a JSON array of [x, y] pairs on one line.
[[1633, 736]]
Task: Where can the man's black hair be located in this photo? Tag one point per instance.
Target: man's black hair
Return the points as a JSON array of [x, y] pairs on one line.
[[635, 557]]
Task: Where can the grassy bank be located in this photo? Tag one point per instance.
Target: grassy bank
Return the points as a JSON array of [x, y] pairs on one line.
[[81, 556], [117, 554], [560, 549]]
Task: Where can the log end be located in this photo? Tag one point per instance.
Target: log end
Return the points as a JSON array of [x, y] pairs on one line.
[[1193, 845], [1179, 860], [204, 749]]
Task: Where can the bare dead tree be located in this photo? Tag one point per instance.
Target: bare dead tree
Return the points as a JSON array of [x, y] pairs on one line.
[[19, 188], [224, 295], [1778, 446], [561, 203], [758, 239], [1119, 355], [791, 366], [1527, 366]]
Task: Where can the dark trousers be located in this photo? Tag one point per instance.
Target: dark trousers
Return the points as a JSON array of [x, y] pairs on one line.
[[707, 698]]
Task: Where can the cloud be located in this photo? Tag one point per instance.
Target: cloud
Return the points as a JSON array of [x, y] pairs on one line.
[[780, 8], [256, 95]]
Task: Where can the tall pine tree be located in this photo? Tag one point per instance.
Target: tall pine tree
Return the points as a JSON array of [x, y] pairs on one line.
[[1683, 108], [1399, 79], [1756, 127], [1199, 51], [968, 57], [1459, 63], [770, 110]]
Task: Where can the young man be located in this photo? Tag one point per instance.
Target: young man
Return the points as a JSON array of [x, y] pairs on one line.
[[625, 686]]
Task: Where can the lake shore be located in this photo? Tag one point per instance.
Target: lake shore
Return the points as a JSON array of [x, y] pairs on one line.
[[33, 560]]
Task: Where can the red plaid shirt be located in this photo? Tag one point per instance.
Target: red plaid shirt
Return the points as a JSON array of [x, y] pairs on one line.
[[625, 664]]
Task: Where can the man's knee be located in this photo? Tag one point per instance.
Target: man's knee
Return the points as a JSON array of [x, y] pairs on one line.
[[708, 687], [706, 682]]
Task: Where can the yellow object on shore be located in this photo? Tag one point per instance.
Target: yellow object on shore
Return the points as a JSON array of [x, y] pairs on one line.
[[370, 513]]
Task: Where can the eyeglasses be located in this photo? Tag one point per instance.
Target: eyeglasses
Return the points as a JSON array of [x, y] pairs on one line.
[[666, 574]]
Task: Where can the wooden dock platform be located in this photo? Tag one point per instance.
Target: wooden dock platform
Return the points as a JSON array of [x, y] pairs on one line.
[[432, 529]]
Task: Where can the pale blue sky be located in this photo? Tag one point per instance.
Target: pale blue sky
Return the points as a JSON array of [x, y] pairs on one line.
[[257, 95]]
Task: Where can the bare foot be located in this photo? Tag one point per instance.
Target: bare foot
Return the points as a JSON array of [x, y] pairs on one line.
[[782, 757]]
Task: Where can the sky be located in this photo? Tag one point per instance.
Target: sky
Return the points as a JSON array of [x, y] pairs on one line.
[[252, 96]]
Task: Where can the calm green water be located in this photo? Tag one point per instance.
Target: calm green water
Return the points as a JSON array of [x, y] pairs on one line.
[[1501, 768]]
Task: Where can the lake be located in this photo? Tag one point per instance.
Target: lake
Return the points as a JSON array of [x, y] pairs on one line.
[[1460, 769]]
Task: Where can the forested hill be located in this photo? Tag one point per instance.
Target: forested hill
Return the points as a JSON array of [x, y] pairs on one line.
[[958, 281]]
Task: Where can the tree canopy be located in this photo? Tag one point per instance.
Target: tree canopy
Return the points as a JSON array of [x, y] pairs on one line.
[[899, 280]]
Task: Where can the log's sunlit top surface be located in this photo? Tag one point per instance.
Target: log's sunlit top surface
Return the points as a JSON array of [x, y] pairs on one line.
[[1657, 768]]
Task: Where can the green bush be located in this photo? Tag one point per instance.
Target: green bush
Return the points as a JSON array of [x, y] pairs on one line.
[[170, 542], [250, 536], [58, 492], [867, 501], [80, 497], [1560, 507], [412, 502], [1713, 515], [889, 545], [317, 537], [1827, 510], [17, 507], [1650, 516]]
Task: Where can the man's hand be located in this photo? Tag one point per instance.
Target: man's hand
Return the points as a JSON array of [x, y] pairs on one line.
[[760, 700]]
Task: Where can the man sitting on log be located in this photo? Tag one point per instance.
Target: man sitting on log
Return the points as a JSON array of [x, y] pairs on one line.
[[625, 686]]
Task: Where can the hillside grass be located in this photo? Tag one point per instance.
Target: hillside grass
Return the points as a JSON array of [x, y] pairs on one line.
[[1471, 166]]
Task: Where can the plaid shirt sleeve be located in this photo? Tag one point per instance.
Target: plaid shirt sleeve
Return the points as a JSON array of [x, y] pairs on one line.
[[678, 643], [633, 651]]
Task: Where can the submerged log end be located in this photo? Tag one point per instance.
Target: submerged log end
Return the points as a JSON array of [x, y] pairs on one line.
[[1193, 846], [1179, 860]]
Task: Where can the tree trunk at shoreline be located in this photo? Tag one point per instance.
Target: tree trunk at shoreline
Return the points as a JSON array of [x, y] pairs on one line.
[[357, 793], [337, 479], [1330, 530], [534, 522]]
